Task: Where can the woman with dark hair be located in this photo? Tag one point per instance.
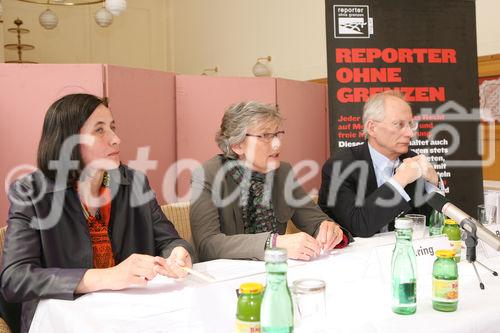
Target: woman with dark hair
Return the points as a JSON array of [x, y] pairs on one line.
[[84, 222]]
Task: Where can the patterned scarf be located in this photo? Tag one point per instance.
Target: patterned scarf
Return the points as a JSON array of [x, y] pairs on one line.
[[255, 200], [98, 228]]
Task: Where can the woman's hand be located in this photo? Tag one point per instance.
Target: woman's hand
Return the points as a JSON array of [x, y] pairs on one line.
[[137, 269], [299, 245], [171, 266], [329, 235]]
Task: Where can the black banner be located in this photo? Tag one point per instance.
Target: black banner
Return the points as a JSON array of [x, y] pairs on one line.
[[427, 50]]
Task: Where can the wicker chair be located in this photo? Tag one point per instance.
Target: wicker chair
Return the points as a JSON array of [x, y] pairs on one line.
[[178, 214], [3, 325], [3, 230]]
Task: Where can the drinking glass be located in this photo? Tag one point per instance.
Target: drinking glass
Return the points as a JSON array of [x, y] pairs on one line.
[[486, 214], [419, 228], [309, 305]]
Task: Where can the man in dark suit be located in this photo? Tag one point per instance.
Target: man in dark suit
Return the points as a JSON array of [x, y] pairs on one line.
[[365, 187]]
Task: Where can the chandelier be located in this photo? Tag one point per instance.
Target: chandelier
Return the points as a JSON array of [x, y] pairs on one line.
[[19, 47], [103, 17]]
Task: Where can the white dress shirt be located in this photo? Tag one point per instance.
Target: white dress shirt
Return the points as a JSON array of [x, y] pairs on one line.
[[384, 172]]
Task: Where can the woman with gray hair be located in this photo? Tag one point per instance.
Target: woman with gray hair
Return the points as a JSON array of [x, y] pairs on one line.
[[242, 199]]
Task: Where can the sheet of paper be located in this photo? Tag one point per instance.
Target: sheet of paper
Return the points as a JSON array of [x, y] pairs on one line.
[[226, 269], [492, 198]]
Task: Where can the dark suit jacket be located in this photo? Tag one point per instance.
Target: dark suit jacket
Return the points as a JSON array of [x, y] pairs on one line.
[[370, 215], [49, 259], [218, 232]]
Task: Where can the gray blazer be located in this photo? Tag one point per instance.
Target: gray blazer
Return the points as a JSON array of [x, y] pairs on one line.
[[218, 232]]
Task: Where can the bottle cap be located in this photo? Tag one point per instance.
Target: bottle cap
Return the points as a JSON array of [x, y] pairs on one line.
[[445, 254], [251, 288], [275, 255], [403, 223], [450, 221]]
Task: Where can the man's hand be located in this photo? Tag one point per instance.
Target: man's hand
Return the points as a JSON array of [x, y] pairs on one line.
[[428, 171], [409, 171]]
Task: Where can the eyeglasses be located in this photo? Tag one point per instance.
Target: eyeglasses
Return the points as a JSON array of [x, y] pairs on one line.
[[268, 137], [400, 125]]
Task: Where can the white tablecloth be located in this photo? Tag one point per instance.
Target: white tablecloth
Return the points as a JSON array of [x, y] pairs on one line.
[[358, 299]]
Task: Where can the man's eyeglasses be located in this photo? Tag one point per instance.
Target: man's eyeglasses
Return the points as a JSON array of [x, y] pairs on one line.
[[400, 125], [268, 137]]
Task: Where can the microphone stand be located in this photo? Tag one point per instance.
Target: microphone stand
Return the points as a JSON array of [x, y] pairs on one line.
[[471, 243]]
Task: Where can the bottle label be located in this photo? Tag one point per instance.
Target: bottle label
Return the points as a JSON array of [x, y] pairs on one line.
[[405, 293], [247, 326], [444, 290], [457, 246]]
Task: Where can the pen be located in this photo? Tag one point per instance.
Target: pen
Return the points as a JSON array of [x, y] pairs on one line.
[[204, 277]]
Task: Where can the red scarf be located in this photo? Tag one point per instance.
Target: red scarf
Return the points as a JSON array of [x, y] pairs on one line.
[[98, 228]]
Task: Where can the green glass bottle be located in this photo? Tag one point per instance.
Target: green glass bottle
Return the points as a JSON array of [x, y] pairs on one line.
[[404, 277], [452, 230], [248, 308], [436, 223], [276, 311], [445, 281]]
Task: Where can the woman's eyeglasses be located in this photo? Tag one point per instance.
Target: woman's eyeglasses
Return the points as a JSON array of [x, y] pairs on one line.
[[268, 137]]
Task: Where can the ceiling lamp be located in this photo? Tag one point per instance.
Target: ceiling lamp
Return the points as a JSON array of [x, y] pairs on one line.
[[116, 7], [48, 19], [103, 17]]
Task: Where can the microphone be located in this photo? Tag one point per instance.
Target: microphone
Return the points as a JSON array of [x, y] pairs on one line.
[[441, 204]]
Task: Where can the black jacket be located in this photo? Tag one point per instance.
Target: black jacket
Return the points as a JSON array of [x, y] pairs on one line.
[[48, 258], [370, 216]]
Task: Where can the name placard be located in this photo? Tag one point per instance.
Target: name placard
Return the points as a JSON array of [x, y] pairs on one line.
[[425, 250], [490, 252]]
